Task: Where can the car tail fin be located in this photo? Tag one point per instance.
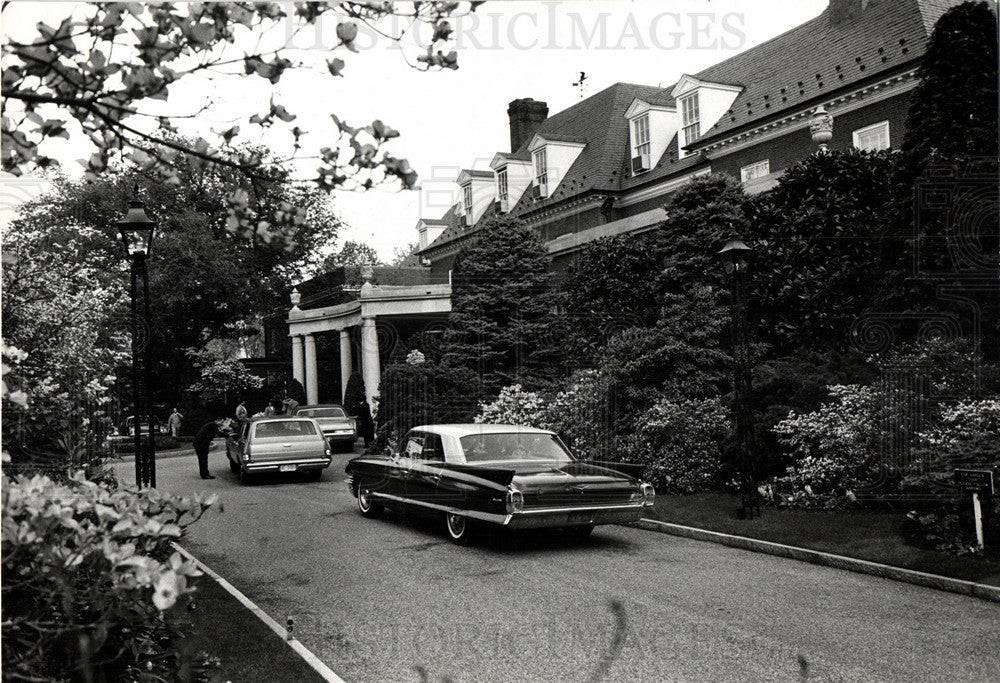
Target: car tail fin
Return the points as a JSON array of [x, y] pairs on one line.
[[494, 474]]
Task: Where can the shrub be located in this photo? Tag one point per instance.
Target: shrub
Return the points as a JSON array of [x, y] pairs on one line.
[[88, 573], [581, 413], [963, 435], [835, 448], [680, 442], [355, 393]]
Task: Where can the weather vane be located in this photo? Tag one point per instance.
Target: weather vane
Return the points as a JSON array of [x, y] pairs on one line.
[[579, 83]]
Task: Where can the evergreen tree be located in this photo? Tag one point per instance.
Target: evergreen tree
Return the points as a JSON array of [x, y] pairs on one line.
[[701, 217], [501, 305], [946, 182], [954, 109], [355, 393]]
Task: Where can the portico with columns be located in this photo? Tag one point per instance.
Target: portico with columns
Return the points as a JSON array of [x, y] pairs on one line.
[[378, 319]]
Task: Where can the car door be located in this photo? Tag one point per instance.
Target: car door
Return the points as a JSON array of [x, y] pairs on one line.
[[425, 471], [236, 444]]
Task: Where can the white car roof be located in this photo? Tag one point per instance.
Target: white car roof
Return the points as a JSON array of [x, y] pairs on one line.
[[460, 430]]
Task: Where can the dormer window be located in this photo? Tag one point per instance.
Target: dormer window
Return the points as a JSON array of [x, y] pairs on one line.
[[541, 172], [640, 135], [690, 118], [502, 185], [467, 199]]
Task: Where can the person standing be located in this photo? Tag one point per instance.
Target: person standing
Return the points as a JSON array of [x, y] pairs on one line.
[[241, 412], [203, 441], [174, 423], [366, 426]]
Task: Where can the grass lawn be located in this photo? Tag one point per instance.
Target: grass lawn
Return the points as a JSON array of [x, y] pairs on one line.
[[249, 651], [872, 536]]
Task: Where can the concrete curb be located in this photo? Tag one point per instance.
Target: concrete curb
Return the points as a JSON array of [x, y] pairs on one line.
[[970, 588], [300, 649]]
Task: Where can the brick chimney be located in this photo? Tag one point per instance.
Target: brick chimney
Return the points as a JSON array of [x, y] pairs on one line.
[[843, 11], [525, 117]]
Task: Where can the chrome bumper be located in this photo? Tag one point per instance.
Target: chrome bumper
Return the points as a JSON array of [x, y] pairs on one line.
[[275, 465], [556, 517]]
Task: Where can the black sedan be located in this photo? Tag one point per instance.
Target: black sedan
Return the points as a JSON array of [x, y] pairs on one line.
[[509, 476]]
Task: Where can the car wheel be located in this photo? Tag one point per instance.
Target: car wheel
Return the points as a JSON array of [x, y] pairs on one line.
[[234, 467], [580, 532], [459, 528], [366, 501], [314, 475], [245, 477]]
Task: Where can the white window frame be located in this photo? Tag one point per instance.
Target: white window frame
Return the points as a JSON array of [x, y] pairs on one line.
[[467, 199], [860, 134], [640, 135], [502, 188], [690, 117], [756, 170], [541, 164]]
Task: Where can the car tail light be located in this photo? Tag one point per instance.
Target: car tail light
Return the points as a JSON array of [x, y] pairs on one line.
[[648, 494], [246, 455], [515, 501]]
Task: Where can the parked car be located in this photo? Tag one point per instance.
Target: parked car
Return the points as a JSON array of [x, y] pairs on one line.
[[278, 444], [125, 433], [338, 427], [129, 426], [502, 475]]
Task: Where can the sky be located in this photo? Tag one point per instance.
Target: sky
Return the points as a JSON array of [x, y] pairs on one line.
[[450, 120]]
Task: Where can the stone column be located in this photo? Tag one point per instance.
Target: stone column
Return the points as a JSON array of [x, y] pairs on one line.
[[345, 362], [312, 388], [298, 364], [369, 360]]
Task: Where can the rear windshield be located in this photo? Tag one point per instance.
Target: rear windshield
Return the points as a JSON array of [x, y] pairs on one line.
[[284, 429], [513, 446], [332, 411]]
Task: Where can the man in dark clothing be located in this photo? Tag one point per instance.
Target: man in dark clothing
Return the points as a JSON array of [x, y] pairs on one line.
[[203, 441]]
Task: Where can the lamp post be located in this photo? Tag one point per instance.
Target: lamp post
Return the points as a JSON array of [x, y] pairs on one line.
[[137, 234], [736, 259]]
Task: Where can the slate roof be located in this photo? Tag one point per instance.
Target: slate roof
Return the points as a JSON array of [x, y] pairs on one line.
[[807, 63], [820, 57]]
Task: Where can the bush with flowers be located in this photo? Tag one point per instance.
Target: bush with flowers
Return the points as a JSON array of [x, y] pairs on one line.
[[680, 443], [835, 449], [581, 413], [88, 573], [964, 434]]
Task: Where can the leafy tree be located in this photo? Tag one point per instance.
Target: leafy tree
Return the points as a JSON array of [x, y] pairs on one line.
[[109, 73], [59, 309], [501, 305], [219, 375], [818, 256], [352, 254], [205, 278], [400, 254]]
